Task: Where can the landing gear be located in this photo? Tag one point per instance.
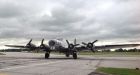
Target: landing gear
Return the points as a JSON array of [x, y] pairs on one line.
[[47, 55], [74, 55], [67, 55]]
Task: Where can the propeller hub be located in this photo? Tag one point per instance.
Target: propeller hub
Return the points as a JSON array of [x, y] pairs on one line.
[[90, 45], [28, 45], [71, 46], [41, 46]]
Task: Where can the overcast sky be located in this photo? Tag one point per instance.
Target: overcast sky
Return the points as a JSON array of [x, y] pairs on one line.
[[85, 20]]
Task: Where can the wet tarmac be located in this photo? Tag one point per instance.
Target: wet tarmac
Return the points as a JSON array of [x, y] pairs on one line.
[[21, 63]]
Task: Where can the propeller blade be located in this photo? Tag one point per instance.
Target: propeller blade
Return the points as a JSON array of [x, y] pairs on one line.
[[75, 41], [84, 43], [67, 42], [42, 41], [30, 41], [76, 44], [71, 45], [94, 41]]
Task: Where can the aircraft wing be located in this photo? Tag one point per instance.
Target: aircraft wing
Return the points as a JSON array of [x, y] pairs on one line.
[[16, 46], [116, 46]]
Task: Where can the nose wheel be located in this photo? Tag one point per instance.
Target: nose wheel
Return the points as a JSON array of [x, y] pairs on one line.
[[47, 55]]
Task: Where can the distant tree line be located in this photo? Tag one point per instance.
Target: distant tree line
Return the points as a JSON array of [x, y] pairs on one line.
[[129, 50], [122, 50]]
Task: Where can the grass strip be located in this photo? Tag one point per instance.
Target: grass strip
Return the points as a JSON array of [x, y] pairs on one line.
[[118, 71]]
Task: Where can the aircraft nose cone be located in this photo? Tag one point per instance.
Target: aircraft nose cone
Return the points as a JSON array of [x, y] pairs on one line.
[[51, 43]]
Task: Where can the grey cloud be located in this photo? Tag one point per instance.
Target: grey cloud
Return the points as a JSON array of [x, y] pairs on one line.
[[87, 20], [9, 11], [63, 16], [61, 19]]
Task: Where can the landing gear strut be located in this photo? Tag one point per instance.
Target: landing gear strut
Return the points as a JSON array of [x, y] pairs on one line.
[[67, 54], [74, 55], [47, 55]]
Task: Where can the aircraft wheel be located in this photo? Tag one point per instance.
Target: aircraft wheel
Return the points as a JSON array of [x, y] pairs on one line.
[[47, 55], [74, 55], [67, 55]]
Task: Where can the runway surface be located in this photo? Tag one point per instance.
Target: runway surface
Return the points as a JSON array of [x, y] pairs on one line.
[[21, 63]]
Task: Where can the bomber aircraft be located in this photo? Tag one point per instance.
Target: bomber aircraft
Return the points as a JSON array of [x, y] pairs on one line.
[[71, 49]]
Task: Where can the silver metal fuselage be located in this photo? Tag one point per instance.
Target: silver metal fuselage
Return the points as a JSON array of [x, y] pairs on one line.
[[55, 44]]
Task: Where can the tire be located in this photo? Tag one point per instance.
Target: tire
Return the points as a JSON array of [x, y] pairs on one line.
[[67, 55], [74, 55], [47, 55]]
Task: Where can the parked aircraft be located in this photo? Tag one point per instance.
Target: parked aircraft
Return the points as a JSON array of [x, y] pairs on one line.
[[71, 49]]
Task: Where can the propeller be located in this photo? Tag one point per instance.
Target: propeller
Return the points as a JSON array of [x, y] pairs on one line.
[[84, 43], [94, 41], [90, 45], [29, 43], [42, 41], [42, 45], [75, 42], [71, 46]]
